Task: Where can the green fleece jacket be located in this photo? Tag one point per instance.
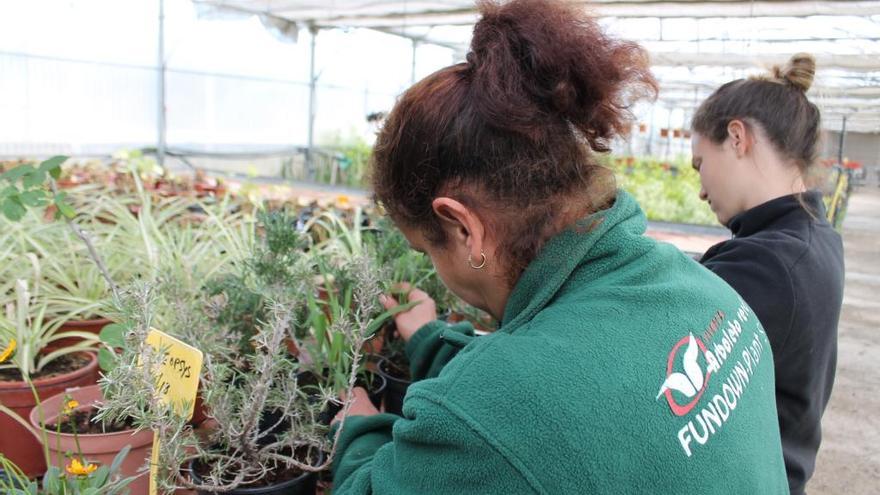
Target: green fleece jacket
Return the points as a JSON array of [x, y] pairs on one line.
[[620, 366]]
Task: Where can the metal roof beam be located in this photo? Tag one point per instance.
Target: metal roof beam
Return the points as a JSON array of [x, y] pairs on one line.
[[852, 63]]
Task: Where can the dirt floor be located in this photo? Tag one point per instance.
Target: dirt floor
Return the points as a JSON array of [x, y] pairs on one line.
[[849, 459]]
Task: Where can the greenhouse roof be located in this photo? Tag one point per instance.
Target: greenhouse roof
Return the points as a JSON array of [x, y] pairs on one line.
[[695, 45]]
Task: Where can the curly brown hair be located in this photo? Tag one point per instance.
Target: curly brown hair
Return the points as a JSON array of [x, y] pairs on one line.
[[512, 131]]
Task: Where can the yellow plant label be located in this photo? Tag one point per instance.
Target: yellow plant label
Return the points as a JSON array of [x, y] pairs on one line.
[[177, 383]]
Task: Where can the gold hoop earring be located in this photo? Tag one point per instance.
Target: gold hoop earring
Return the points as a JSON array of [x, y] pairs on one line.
[[482, 261]]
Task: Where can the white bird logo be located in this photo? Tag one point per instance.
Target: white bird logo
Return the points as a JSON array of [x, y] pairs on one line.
[[691, 381]]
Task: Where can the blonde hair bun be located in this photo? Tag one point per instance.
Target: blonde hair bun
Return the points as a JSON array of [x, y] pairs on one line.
[[798, 72]]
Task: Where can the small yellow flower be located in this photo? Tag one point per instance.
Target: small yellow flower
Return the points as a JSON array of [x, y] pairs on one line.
[[342, 201], [70, 406], [10, 348], [77, 468]]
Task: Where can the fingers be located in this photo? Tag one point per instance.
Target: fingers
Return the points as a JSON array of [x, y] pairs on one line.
[[417, 295], [387, 301], [358, 393]]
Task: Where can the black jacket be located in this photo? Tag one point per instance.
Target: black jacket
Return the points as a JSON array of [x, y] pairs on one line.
[[787, 263]]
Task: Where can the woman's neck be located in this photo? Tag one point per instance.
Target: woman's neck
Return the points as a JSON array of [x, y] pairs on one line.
[[774, 179]]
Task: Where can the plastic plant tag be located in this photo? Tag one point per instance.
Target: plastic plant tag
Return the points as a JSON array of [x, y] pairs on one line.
[[178, 383]]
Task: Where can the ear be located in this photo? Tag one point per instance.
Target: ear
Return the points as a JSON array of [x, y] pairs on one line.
[[461, 224], [740, 137]]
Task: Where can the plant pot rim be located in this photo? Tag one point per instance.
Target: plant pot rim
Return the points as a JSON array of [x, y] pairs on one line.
[[258, 490], [87, 323], [55, 380], [380, 369], [135, 438]]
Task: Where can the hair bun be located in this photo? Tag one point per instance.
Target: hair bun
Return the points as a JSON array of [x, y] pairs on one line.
[[799, 71], [540, 65]]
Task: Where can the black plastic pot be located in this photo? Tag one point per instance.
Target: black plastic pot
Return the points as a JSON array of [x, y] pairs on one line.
[[377, 390], [395, 390], [303, 484]]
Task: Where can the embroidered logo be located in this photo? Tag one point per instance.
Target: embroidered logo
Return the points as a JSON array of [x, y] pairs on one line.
[[692, 382]]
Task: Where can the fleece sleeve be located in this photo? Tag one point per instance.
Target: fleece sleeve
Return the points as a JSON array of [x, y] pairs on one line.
[[432, 450], [361, 437], [434, 345]]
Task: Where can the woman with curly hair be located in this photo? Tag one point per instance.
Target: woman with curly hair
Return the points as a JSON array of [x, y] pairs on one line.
[[620, 365]]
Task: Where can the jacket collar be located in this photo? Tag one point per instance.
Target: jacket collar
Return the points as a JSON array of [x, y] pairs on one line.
[[597, 236], [765, 214]]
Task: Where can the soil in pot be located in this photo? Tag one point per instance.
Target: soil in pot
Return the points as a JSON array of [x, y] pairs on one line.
[[16, 441], [276, 482], [98, 445], [81, 422]]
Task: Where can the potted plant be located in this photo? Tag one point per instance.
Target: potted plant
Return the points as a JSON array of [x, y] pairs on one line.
[[76, 478], [68, 424], [326, 346], [265, 426], [28, 375]]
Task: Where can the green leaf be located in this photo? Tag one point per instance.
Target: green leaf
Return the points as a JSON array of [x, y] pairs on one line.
[[17, 172], [13, 209], [106, 359], [34, 179], [380, 320], [100, 476], [117, 461], [53, 165], [64, 208], [8, 191], [51, 480], [33, 198], [114, 335]]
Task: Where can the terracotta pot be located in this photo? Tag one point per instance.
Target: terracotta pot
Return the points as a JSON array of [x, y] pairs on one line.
[[16, 441], [98, 448], [664, 132], [200, 411], [91, 326], [676, 133]]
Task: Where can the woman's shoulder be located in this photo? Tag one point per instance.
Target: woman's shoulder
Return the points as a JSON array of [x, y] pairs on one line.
[[769, 251]]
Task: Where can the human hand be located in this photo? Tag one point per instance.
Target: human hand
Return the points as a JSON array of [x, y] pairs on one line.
[[409, 321], [360, 406]]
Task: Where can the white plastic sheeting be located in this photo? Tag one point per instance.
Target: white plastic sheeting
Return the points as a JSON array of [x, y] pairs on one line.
[[697, 44]]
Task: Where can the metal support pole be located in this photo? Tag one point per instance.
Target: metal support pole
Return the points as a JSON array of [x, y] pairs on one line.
[[841, 141], [160, 146], [412, 71], [313, 80]]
